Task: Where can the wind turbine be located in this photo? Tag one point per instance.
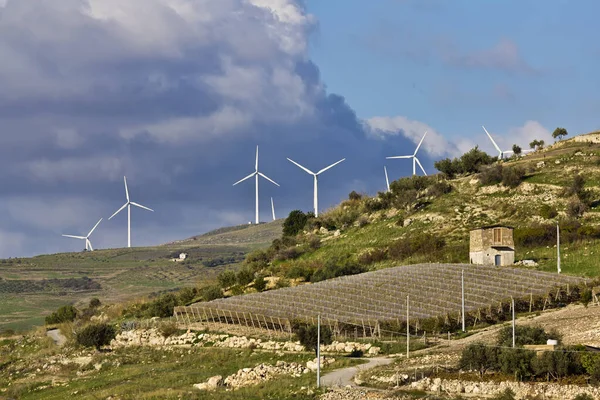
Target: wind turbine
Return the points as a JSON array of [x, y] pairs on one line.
[[500, 152], [316, 180], [88, 244], [256, 174], [414, 157], [387, 181], [128, 204], [273, 209]]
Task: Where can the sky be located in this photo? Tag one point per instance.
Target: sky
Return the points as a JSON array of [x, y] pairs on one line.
[[177, 94]]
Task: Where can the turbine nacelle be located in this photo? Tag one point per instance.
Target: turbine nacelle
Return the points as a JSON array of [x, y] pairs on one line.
[[414, 157]]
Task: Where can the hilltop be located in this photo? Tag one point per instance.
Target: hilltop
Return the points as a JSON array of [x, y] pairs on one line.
[[30, 288]]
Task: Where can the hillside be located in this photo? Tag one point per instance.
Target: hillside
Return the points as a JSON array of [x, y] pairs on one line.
[[32, 287], [428, 219]]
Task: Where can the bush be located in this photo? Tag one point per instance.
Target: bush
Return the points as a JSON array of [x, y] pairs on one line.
[[491, 175], [512, 177], [307, 335], [96, 335], [162, 307], [260, 283], [516, 361], [187, 295], [167, 329], [227, 279], [282, 283], [63, 314], [294, 223], [245, 276], [586, 297], [575, 208], [525, 335], [417, 244], [508, 394], [212, 292], [94, 303], [335, 267], [354, 195], [548, 212], [480, 357], [440, 188], [300, 271], [372, 256]]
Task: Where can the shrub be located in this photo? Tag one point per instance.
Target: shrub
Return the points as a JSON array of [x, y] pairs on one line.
[[260, 283], [491, 175], [94, 303], [314, 242], [187, 295], [480, 357], [557, 364], [525, 335], [63, 314], [244, 276], [162, 307], [448, 167], [96, 335], [300, 271], [282, 283], [516, 361], [586, 297], [372, 256], [227, 279], [417, 244], [294, 223], [167, 329], [212, 292], [363, 221], [507, 394], [512, 177], [307, 335], [288, 253], [354, 195], [548, 212], [583, 396], [335, 267], [575, 208], [440, 188]]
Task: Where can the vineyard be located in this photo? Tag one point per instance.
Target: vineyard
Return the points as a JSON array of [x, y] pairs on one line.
[[48, 285], [379, 298]]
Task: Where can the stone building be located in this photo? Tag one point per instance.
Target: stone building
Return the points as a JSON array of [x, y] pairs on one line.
[[492, 245]]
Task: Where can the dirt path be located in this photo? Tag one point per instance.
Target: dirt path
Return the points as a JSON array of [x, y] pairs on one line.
[[344, 377], [59, 338]]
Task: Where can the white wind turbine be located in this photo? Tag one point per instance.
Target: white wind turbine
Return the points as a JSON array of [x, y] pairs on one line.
[[500, 152], [88, 244], [316, 180], [128, 204], [414, 157], [273, 209], [255, 174], [387, 180]]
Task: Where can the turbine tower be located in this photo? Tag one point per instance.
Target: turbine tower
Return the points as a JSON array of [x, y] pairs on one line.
[[273, 209], [414, 157], [256, 174], [387, 180], [500, 152], [316, 181], [128, 204], [88, 244]]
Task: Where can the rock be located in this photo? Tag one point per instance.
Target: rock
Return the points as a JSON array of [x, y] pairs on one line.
[[337, 233], [557, 162], [407, 222], [541, 164], [323, 230], [212, 384]]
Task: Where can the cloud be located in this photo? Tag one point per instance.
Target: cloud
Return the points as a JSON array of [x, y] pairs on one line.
[[174, 94], [502, 56], [435, 144], [520, 135]]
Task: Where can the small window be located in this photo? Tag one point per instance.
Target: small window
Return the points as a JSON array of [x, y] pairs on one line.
[[497, 235]]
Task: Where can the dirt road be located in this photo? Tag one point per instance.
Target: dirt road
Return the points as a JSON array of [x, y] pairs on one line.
[[344, 377]]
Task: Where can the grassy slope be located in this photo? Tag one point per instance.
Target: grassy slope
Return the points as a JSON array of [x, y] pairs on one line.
[[122, 273], [471, 205]]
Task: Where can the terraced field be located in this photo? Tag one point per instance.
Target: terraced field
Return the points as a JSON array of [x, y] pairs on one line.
[[380, 296]]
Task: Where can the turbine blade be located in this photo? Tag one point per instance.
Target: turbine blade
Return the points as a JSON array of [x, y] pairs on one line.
[[387, 181], [126, 189], [419, 145], [422, 169], [492, 139], [95, 226], [119, 210], [256, 165], [306, 169], [267, 178], [75, 237], [389, 158], [331, 166], [141, 206], [248, 177]]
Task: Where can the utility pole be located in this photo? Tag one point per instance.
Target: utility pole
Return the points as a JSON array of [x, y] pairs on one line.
[[407, 328], [557, 247], [318, 350], [462, 283], [513, 321]]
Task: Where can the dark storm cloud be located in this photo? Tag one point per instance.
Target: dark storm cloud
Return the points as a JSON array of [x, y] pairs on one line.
[[175, 94]]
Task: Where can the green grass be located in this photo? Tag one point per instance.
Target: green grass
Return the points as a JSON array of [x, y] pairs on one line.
[[146, 373]]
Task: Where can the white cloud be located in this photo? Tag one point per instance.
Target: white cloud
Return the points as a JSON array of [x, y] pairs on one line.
[[520, 135], [68, 138], [434, 143], [77, 169]]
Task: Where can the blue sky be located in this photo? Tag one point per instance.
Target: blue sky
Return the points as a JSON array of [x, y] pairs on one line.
[[387, 58], [176, 94]]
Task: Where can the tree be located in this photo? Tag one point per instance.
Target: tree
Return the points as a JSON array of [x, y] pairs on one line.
[[516, 150], [307, 335], [534, 143], [354, 195], [541, 144], [260, 283], [63, 314], [94, 303], [226, 279], [480, 357], [294, 223], [96, 335], [559, 133]]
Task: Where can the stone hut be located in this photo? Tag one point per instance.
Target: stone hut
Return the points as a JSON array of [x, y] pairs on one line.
[[492, 245]]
